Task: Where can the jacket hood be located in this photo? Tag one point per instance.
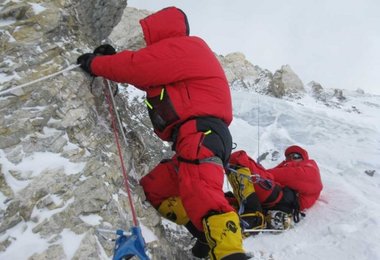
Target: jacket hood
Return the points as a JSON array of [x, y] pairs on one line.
[[167, 23], [297, 149]]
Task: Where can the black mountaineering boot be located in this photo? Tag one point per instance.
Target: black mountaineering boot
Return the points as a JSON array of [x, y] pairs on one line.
[[201, 247]]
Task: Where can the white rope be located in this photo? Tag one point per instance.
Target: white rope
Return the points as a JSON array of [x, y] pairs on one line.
[[117, 114], [71, 67], [258, 128], [263, 230]]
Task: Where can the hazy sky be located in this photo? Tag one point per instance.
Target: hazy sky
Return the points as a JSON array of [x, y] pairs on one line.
[[334, 42]]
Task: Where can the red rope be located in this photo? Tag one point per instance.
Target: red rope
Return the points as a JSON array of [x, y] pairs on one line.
[[116, 135]]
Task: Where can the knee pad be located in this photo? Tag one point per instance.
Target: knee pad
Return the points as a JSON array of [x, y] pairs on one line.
[[173, 210]]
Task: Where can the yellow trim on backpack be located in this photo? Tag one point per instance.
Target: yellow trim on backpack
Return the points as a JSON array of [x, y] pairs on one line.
[[207, 132]]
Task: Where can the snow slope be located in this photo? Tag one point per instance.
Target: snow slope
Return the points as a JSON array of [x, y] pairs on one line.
[[345, 222]]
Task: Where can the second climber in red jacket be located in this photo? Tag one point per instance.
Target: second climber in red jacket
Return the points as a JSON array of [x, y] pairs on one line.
[[280, 193], [189, 104]]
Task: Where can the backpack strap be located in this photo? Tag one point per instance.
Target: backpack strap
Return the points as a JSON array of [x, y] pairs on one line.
[[213, 159]]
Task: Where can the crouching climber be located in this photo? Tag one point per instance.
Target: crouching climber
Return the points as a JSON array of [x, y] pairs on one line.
[[274, 198], [189, 104]]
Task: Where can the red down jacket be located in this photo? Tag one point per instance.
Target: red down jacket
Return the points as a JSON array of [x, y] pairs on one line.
[[302, 177], [180, 74]]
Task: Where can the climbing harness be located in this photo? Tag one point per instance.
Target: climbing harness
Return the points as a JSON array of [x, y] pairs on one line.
[[254, 178], [71, 67], [214, 159], [132, 243]]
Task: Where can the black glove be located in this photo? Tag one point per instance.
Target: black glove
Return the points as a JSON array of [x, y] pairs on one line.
[[105, 49], [85, 62]]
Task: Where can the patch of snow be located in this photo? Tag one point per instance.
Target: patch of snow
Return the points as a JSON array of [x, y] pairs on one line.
[[22, 237], [69, 146], [115, 197], [56, 199], [34, 165], [148, 234], [45, 213], [5, 78], [48, 131], [37, 8], [134, 93], [92, 219], [35, 108], [70, 242], [5, 22]]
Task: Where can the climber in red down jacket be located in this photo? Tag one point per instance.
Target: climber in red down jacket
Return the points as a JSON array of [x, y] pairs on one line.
[[280, 193], [189, 104]]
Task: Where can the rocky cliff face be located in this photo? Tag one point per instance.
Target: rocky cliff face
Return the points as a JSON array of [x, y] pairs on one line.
[[60, 176]]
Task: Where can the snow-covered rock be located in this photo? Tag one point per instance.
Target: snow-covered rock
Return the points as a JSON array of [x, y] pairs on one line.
[[286, 83], [128, 33]]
